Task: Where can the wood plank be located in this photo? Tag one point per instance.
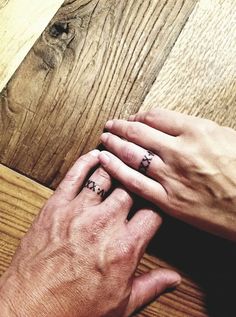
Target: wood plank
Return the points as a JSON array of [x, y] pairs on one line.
[[96, 59], [199, 76], [22, 198], [22, 22]]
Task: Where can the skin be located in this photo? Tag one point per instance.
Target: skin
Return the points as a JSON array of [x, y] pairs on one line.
[[79, 257], [192, 175]]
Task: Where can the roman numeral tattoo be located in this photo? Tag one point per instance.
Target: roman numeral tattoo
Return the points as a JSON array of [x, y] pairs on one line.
[[94, 187], [145, 163]]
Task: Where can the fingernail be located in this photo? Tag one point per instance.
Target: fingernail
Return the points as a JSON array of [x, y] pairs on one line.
[[104, 159], [109, 124], [95, 153], [104, 137]]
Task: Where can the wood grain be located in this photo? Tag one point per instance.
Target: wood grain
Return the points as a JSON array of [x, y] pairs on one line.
[[199, 76], [96, 59], [22, 198], [22, 22]]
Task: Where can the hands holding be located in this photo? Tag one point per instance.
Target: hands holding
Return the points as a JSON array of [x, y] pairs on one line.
[[183, 164], [79, 257]]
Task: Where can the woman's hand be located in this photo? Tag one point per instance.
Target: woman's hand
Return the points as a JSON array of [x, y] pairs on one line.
[[183, 164], [79, 257]]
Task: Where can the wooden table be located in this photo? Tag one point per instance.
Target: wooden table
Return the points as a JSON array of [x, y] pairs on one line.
[[102, 59]]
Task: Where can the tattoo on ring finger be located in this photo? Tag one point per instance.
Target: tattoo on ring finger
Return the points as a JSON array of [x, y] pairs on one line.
[[95, 188], [145, 163]]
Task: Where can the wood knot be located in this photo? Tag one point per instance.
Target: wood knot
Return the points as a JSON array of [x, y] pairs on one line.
[[58, 29]]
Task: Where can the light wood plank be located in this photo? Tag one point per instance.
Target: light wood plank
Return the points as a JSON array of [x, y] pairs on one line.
[[199, 76], [22, 198], [96, 59], [21, 23]]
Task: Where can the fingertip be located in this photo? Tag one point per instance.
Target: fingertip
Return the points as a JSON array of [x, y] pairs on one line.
[[94, 153], [169, 278], [109, 124], [104, 138], [104, 158]]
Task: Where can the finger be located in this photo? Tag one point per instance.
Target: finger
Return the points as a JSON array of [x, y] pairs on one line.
[[134, 181], [143, 226], [74, 179], [141, 134], [149, 286], [119, 202], [167, 121], [135, 156], [96, 187]]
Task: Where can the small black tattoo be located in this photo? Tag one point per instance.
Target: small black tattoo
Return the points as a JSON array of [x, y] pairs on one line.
[[145, 163], [94, 187]]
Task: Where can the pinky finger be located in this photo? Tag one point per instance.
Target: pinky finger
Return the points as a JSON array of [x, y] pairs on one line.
[[134, 181]]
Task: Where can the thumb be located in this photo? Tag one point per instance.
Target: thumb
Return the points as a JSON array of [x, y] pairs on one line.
[[148, 286]]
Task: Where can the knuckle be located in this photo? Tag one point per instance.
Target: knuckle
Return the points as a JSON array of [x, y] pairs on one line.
[[71, 177], [132, 131], [122, 198], [128, 154], [102, 173], [150, 115], [125, 249], [117, 169], [151, 220], [208, 126], [136, 184]]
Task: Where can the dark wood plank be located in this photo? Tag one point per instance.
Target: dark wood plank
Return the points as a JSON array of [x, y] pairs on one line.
[[96, 59]]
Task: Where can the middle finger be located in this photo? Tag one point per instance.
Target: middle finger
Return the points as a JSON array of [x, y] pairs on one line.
[[135, 156], [143, 135]]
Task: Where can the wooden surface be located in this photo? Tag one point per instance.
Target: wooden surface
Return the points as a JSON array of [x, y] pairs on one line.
[[21, 23], [199, 76], [96, 60], [100, 59]]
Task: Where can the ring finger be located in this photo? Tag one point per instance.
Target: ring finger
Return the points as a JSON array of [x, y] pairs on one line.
[[146, 162], [95, 187]]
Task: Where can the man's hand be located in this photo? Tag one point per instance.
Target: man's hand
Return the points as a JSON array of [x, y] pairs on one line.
[[188, 166], [79, 257]]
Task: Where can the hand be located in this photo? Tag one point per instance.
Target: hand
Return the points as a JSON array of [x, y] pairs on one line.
[[190, 171], [79, 257]]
